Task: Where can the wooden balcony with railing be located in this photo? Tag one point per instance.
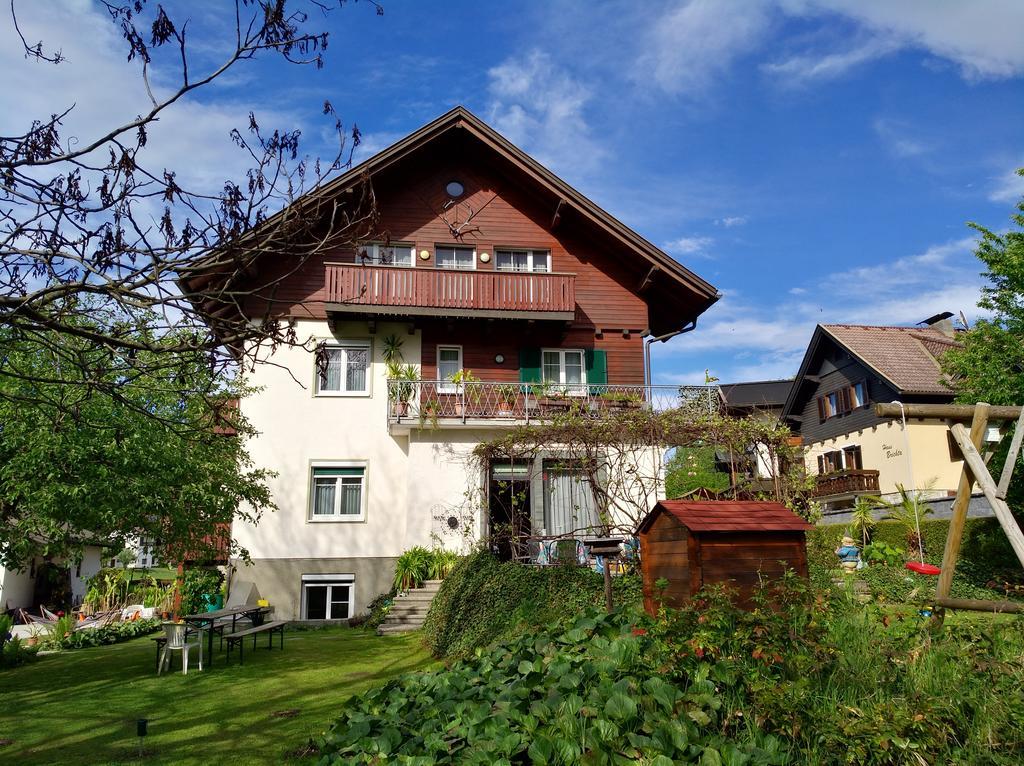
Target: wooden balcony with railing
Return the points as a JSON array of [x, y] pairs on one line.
[[851, 482], [412, 291]]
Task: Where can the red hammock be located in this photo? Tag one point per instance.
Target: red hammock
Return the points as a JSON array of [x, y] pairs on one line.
[[925, 569]]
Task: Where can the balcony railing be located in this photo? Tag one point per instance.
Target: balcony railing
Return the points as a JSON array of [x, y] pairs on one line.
[[846, 482], [443, 402], [426, 290]]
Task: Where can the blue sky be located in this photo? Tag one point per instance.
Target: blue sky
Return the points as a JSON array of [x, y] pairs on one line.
[[816, 160]]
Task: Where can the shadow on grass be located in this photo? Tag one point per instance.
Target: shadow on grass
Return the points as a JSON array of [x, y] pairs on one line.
[[81, 707]]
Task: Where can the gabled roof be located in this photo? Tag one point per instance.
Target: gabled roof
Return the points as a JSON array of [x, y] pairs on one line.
[[461, 118], [905, 357], [729, 516], [757, 393]]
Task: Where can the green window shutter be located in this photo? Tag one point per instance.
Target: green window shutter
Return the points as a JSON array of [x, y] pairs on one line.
[[597, 367], [529, 365]]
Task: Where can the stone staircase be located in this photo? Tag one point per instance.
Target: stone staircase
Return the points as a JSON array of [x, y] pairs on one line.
[[410, 609]]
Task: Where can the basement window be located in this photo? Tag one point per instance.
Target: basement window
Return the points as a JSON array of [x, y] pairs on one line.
[[328, 596]]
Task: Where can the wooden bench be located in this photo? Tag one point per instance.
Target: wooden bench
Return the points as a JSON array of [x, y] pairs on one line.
[[238, 638]]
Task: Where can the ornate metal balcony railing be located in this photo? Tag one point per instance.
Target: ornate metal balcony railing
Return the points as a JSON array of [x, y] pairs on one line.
[[420, 290], [438, 401], [846, 482]]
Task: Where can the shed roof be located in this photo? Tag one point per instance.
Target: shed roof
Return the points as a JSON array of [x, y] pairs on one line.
[[730, 516]]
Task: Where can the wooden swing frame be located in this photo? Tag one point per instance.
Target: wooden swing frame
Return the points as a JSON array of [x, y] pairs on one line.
[[975, 471]]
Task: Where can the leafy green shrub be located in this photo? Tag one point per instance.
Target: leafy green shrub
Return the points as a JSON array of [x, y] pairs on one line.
[[797, 679], [12, 652], [379, 608], [418, 564], [412, 568], [196, 584], [882, 553], [114, 633], [483, 600], [985, 553]]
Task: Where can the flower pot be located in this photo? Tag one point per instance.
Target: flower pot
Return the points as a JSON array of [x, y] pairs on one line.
[[401, 409]]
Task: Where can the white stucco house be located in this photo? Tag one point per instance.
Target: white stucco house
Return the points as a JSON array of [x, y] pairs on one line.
[[490, 270]]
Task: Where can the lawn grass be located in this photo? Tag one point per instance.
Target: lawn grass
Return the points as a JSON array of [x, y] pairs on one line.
[[81, 706]]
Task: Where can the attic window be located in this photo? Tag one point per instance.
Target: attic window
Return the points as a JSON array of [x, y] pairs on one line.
[[454, 189], [842, 401]]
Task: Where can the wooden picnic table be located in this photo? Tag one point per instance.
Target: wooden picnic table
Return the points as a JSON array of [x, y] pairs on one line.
[[206, 620]]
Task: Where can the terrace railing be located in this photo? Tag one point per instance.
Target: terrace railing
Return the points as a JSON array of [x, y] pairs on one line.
[[846, 482], [466, 290], [440, 401]]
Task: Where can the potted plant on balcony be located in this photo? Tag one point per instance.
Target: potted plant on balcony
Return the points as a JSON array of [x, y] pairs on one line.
[[402, 380], [620, 401], [508, 396], [466, 393]]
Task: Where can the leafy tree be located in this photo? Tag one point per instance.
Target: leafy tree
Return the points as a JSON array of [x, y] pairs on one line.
[[123, 450], [989, 366]]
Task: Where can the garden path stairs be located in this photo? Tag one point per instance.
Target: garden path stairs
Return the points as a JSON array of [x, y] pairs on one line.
[[409, 609]]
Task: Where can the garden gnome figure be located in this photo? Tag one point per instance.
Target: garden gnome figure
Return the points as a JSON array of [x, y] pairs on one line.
[[849, 555]]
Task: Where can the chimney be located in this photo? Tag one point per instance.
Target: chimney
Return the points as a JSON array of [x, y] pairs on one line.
[[942, 322]]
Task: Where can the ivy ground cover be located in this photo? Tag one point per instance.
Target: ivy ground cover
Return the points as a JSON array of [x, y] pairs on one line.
[[815, 680]]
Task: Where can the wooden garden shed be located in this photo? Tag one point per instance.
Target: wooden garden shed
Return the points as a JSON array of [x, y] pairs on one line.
[[695, 543]]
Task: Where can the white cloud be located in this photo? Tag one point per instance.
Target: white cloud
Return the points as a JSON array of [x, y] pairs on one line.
[[686, 49], [899, 139], [810, 68], [731, 221], [758, 341], [1009, 187], [540, 106], [982, 37], [689, 246]]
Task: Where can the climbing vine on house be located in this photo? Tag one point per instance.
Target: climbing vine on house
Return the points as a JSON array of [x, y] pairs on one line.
[[621, 457]]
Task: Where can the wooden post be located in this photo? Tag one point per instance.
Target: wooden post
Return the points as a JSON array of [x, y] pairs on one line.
[[963, 499], [1011, 458], [988, 486], [607, 584], [976, 605]]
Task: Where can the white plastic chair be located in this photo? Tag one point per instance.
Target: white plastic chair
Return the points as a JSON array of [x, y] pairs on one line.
[[176, 641]]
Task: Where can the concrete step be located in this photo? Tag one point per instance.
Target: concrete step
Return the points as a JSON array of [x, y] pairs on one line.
[[417, 620], [410, 606], [385, 630], [415, 595]]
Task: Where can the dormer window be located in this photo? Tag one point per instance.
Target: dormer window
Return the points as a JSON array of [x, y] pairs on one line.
[[379, 254]]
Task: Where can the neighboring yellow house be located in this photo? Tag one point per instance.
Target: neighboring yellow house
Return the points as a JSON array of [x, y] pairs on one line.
[[849, 368]]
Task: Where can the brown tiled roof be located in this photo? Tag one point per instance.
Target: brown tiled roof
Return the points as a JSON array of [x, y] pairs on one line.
[[906, 356], [731, 516]]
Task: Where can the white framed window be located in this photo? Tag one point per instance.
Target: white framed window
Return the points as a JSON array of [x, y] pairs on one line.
[[449, 362], [379, 254], [328, 596], [522, 260], [337, 492], [347, 372], [564, 368], [447, 257]]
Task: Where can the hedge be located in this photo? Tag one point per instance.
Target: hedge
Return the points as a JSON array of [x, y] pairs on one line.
[[985, 556], [484, 600]]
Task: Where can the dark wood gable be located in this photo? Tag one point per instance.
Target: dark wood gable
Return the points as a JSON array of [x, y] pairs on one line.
[[826, 398]]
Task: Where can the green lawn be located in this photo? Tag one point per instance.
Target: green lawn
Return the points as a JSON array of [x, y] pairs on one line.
[[81, 706]]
